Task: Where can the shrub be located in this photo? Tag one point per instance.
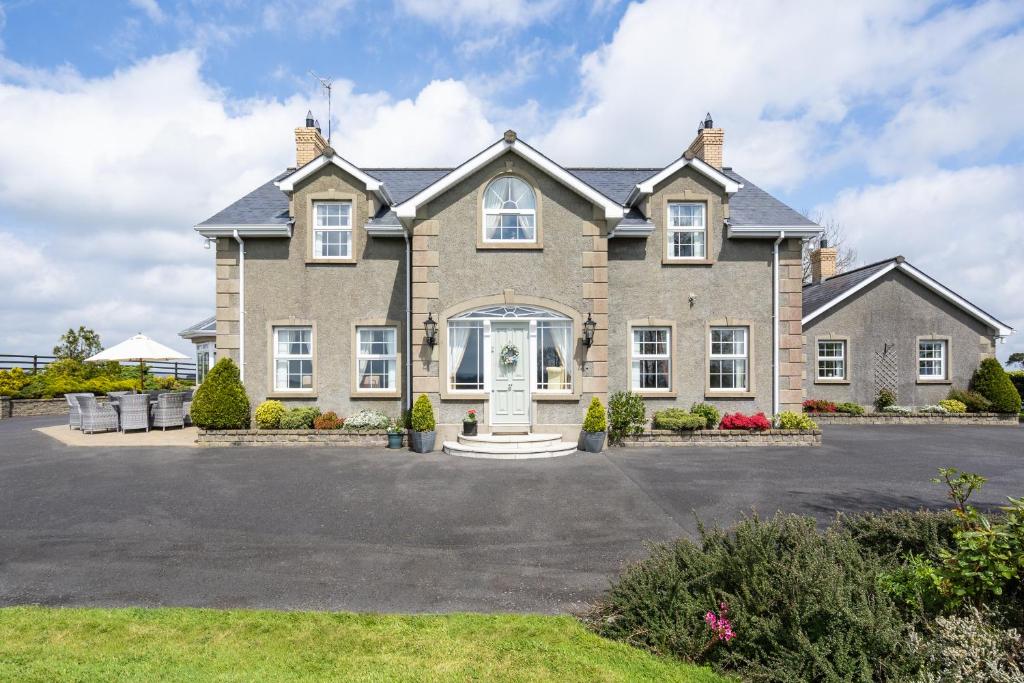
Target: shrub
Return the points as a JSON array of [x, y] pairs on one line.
[[953, 406], [894, 534], [819, 406], [975, 402], [709, 412], [328, 420], [1017, 377], [757, 422], [268, 414], [220, 401], [933, 409], [992, 382], [850, 408], [12, 381], [368, 420], [884, 398], [970, 648], [899, 410], [677, 420], [804, 604], [596, 420], [423, 415], [300, 418], [627, 416], [790, 420]]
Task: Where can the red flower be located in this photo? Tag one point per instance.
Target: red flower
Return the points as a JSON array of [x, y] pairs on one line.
[[756, 422]]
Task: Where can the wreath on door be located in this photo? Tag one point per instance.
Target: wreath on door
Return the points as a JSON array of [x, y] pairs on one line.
[[509, 354]]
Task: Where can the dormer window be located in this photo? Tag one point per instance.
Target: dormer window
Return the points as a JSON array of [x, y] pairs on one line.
[[510, 211], [687, 230], [332, 231]]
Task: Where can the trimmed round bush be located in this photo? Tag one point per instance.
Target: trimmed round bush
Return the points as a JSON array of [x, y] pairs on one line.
[[423, 415], [787, 419], [804, 605], [328, 420], [220, 402], [300, 418], [992, 382], [850, 408], [596, 419], [268, 414], [677, 420], [953, 406], [710, 413]]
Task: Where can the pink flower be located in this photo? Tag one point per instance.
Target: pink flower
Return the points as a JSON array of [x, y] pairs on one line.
[[721, 627]]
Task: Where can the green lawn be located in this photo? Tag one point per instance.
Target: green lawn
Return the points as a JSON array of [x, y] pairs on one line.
[[42, 644]]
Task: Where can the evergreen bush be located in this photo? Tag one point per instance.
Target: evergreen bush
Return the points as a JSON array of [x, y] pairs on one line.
[[1017, 377], [710, 413], [677, 420], [423, 415], [12, 381], [850, 408], [328, 420], [220, 401], [992, 382], [596, 420], [953, 406], [790, 420], [884, 399], [975, 402], [300, 418], [268, 414], [627, 416]]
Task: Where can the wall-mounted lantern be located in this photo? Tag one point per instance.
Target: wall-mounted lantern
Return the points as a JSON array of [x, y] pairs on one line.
[[430, 326], [589, 326]]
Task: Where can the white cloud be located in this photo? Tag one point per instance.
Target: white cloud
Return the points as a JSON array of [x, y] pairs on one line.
[[482, 13], [962, 227], [151, 8]]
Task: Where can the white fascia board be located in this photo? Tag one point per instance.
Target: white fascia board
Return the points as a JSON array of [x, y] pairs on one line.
[[406, 211], [1001, 328], [633, 230], [257, 230], [774, 231], [646, 187], [287, 184]]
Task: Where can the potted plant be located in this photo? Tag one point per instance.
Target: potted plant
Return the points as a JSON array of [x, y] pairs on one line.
[[469, 423], [595, 426], [395, 430], [421, 437]]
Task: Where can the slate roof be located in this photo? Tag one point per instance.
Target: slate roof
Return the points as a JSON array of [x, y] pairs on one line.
[[749, 206], [203, 328]]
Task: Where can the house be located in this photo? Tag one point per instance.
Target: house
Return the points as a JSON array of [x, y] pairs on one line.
[[512, 285], [203, 336], [889, 325]]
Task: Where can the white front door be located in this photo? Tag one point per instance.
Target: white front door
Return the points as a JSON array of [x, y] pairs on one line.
[[510, 389]]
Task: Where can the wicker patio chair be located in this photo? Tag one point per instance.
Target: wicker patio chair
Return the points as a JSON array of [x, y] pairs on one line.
[[114, 396], [187, 404], [169, 411], [74, 414], [134, 410], [96, 418]]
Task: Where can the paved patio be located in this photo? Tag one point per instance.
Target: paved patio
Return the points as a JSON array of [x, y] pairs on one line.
[[184, 437], [361, 529]]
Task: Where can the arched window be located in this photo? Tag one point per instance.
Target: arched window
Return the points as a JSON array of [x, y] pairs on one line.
[[510, 211]]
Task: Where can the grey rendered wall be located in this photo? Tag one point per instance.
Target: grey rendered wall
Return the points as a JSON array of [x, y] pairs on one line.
[[895, 311], [736, 286], [281, 285]]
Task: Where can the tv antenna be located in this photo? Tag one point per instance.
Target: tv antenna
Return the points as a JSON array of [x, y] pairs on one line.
[[326, 83]]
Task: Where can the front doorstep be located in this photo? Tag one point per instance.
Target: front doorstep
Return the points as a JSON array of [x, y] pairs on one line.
[[658, 438], [992, 419], [290, 437]]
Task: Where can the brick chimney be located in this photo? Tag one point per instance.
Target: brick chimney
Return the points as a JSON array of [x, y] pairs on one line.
[[309, 143], [823, 262], [707, 146]]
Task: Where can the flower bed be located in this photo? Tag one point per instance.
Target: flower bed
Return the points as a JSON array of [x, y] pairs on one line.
[[656, 438], [896, 418], [291, 437]]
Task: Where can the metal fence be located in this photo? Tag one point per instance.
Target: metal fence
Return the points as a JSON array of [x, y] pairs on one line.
[[33, 363]]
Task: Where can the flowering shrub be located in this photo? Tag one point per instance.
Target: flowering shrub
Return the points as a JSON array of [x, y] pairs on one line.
[[757, 422], [953, 406], [814, 405], [933, 409], [328, 420], [470, 415], [899, 410], [790, 420], [970, 648], [368, 419], [721, 628]]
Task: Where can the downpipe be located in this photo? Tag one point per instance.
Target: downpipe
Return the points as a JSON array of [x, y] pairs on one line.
[[775, 322], [241, 305]]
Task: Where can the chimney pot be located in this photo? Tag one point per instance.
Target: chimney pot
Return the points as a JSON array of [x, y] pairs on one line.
[[309, 119], [708, 123]]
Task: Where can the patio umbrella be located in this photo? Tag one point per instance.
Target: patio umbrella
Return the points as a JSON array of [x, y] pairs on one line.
[[138, 348]]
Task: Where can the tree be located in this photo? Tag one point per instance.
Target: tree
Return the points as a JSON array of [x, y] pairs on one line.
[[1017, 359], [835, 234], [78, 345]]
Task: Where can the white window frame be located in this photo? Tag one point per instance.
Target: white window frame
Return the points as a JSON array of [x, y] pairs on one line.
[[391, 358], [672, 230], [319, 231], [210, 350], [637, 357], [481, 360], [745, 357], [509, 212], [840, 359], [943, 358], [278, 356], [569, 366]]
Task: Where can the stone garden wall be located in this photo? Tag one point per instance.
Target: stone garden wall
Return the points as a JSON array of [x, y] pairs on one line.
[[290, 437], [31, 407], [725, 437], [995, 419]]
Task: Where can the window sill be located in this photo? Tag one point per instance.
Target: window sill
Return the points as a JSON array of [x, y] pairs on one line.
[[448, 395], [376, 394], [934, 381], [656, 394], [831, 381], [330, 261], [729, 394], [554, 396], [666, 261], [536, 246], [292, 394]]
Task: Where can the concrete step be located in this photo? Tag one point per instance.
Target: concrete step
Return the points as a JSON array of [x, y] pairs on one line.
[[510, 451], [509, 439]]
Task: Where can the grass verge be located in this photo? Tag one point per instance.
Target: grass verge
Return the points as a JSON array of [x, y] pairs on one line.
[[48, 644]]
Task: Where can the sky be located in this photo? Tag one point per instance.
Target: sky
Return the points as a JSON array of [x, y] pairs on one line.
[[124, 123]]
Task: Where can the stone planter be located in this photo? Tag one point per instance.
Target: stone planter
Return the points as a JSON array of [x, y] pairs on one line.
[[422, 442], [658, 438], [592, 442], [394, 440], [469, 428], [882, 418]]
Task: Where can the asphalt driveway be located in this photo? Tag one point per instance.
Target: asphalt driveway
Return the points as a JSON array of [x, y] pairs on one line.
[[373, 530]]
